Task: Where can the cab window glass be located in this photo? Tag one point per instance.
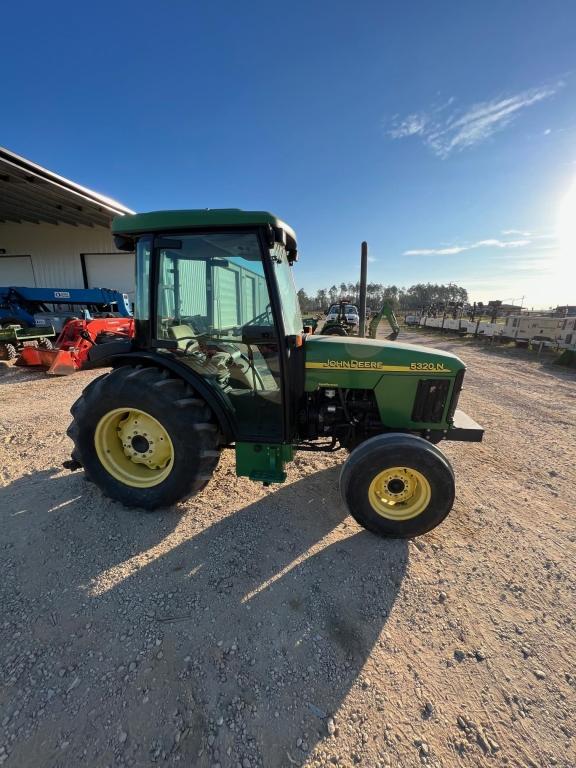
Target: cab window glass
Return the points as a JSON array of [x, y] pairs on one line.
[[213, 303], [141, 301], [287, 291]]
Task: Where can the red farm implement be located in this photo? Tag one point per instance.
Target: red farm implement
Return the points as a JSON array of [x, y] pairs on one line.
[[78, 344]]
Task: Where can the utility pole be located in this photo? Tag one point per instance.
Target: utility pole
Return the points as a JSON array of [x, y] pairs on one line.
[[363, 281]]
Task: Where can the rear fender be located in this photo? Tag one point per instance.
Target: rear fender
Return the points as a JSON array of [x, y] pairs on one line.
[[216, 399]]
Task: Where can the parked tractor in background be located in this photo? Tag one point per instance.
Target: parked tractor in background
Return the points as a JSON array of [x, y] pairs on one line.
[[14, 339], [342, 319], [219, 360]]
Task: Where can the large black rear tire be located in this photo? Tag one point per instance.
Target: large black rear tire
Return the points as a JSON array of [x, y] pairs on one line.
[[145, 438], [398, 485]]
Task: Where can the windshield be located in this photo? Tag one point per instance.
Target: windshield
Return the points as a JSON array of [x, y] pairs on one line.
[[350, 309], [287, 291]]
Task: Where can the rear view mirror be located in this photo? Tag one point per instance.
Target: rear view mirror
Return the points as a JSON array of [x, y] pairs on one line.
[[124, 243]]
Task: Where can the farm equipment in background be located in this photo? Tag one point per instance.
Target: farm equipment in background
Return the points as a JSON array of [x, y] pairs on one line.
[[388, 313], [14, 338], [311, 323], [44, 307], [342, 319], [81, 344]]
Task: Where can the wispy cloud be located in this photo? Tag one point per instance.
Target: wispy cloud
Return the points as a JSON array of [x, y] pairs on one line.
[[452, 250], [449, 128], [520, 232]]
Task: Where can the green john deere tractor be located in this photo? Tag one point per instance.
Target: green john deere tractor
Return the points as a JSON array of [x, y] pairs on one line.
[[219, 360]]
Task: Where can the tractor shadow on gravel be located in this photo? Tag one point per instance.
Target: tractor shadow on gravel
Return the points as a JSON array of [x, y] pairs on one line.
[[246, 635]]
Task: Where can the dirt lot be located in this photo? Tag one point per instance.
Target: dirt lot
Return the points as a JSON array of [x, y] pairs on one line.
[[253, 627]]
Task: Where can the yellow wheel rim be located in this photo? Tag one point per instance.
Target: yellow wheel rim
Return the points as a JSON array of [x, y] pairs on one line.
[[399, 493], [134, 447]]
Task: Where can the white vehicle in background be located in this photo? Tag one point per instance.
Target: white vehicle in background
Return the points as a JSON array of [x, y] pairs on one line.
[[350, 312], [412, 319]]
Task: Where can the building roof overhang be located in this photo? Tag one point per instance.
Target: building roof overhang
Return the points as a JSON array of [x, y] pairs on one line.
[[31, 193]]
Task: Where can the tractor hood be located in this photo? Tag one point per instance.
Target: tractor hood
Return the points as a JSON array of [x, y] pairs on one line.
[[371, 358]]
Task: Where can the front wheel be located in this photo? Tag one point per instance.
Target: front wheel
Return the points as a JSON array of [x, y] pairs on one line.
[[8, 352], [145, 438], [334, 330], [397, 485]]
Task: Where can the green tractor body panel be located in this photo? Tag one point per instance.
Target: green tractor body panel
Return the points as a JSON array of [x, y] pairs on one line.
[[263, 462], [393, 371]]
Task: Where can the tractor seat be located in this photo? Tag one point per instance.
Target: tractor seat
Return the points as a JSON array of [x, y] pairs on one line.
[[181, 334]]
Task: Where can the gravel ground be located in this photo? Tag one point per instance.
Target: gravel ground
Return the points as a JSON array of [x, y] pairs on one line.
[[253, 627]]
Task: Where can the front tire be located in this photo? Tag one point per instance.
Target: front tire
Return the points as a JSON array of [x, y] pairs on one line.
[[10, 352], [334, 330], [397, 485], [145, 438]]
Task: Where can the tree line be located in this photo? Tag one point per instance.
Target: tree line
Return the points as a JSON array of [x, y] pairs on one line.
[[416, 296]]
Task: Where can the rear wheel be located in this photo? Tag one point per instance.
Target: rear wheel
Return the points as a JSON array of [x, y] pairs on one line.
[[398, 485], [45, 344], [146, 439]]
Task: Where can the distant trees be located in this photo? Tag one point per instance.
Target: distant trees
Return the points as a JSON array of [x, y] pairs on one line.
[[423, 294], [418, 296]]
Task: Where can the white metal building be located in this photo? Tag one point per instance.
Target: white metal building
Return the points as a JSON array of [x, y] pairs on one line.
[[55, 233]]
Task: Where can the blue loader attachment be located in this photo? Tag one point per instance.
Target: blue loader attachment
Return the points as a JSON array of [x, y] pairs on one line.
[[38, 307]]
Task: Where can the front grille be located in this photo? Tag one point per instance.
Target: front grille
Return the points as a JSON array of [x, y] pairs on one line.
[[455, 394], [430, 402]]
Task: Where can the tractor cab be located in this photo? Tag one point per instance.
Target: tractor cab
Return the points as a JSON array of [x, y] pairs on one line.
[[220, 298]]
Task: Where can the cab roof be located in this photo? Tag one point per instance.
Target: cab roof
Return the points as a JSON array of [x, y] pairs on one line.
[[205, 218]]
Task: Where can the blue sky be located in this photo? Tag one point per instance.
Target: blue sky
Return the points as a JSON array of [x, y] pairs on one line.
[[442, 132]]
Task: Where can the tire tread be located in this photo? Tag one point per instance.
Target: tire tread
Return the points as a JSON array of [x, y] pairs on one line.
[[170, 393]]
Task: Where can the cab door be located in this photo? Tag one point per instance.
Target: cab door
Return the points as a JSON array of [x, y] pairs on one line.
[[214, 309]]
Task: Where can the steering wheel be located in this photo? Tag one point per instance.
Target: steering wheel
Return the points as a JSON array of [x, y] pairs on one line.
[[242, 361], [266, 315], [236, 356]]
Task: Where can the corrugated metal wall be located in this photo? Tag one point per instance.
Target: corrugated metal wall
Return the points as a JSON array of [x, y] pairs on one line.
[[227, 306], [193, 288], [240, 294], [55, 250]]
